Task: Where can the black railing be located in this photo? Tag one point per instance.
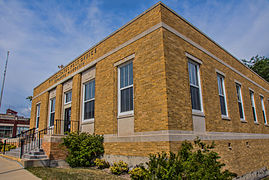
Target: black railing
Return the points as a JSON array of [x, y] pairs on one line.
[[25, 133], [15, 141], [64, 126], [32, 139]]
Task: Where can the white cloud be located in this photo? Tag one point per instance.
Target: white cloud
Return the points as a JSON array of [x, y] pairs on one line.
[[241, 27], [39, 39]]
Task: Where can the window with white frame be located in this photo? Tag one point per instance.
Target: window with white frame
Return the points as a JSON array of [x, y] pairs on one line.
[[125, 88], [222, 96], [253, 106], [263, 110], [37, 115], [88, 100], [195, 87], [68, 97], [239, 100], [52, 112]]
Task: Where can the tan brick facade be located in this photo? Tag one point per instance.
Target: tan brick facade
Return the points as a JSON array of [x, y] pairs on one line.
[[157, 42], [75, 107]]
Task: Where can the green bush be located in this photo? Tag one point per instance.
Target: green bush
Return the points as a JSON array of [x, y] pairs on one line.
[[83, 148], [8, 147], [199, 162], [101, 163], [138, 173], [119, 168]]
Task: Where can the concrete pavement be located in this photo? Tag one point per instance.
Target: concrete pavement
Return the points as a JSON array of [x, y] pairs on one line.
[[12, 170]]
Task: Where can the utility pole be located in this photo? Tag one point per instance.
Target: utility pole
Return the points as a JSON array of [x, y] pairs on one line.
[[3, 84]]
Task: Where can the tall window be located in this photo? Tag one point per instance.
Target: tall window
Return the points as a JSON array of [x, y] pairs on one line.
[[195, 86], [88, 100], [223, 106], [125, 92], [263, 111], [52, 111], [253, 105], [68, 97], [239, 100], [37, 115]]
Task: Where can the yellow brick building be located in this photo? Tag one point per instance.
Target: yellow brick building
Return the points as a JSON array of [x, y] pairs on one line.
[[154, 83]]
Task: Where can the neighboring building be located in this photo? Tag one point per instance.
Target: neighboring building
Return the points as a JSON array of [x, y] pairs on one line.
[[154, 83], [11, 124]]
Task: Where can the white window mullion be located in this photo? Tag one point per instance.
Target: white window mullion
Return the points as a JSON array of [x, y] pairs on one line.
[[222, 95], [37, 115], [195, 86], [253, 106], [125, 87], [240, 102], [52, 112], [263, 110], [88, 97]]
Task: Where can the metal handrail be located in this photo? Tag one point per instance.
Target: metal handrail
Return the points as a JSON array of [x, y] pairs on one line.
[[32, 138], [62, 128]]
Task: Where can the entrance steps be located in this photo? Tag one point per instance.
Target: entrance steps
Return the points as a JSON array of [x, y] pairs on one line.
[[35, 154]]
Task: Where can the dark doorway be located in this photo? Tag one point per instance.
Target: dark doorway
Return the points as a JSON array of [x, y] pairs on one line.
[[67, 118]]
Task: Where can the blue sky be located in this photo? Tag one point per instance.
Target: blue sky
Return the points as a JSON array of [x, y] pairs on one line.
[[41, 35]]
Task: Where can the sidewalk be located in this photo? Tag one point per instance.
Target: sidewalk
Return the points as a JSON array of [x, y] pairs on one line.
[[10, 169]]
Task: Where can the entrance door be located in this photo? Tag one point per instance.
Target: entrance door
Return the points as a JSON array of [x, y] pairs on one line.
[[67, 118]]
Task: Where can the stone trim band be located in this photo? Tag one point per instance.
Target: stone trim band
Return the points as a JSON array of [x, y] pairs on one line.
[[176, 135]]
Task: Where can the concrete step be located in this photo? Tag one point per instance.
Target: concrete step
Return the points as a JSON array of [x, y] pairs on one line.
[[29, 156], [36, 153], [35, 162]]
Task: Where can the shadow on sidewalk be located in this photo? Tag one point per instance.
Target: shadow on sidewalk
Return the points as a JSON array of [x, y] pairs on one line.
[[11, 171]]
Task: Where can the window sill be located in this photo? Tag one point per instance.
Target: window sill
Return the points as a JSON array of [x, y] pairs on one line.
[[256, 123], [87, 121], [266, 125], [125, 115], [243, 121], [68, 103], [198, 113], [225, 118]]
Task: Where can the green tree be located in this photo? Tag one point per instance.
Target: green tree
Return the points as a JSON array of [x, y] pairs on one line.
[[259, 64], [30, 98]]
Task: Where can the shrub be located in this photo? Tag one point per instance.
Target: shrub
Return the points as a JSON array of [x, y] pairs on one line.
[[138, 173], [101, 163], [199, 162], [119, 168], [83, 148], [8, 147]]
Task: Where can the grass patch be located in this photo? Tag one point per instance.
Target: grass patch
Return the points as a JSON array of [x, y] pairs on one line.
[[71, 173]]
